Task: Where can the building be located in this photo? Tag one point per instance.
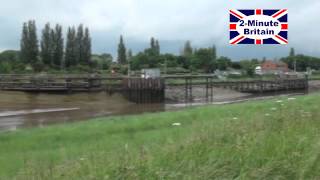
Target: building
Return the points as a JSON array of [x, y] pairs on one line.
[[272, 67], [150, 73]]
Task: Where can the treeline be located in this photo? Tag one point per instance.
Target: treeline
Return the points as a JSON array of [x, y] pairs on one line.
[[51, 53], [203, 60], [190, 59], [301, 62]]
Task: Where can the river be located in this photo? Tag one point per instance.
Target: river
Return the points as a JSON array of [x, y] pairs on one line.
[[21, 110], [25, 110]]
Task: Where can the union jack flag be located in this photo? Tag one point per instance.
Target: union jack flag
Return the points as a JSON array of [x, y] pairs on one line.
[[237, 15]]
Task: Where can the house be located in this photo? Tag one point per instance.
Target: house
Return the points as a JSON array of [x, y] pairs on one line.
[[272, 67], [150, 73]]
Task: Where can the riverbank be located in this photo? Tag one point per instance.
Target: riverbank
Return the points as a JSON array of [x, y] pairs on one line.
[[177, 94], [271, 139]]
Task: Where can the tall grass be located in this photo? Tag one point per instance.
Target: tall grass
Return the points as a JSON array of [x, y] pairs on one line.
[[273, 139]]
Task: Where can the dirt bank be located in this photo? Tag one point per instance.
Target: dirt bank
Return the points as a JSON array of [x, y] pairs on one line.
[[314, 85], [177, 94]]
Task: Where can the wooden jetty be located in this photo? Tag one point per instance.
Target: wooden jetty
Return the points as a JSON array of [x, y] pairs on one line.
[[245, 86], [140, 90]]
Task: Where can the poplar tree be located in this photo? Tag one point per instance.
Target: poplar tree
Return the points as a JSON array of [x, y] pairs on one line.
[[187, 50], [292, 52], [213, 64], [33, 46], [24, 43], [157, 48], [129, 55], [86, 47], [79, 44], [214, 53], [152, 43], [29, 43], [122, 57], [57, 43], [71, 53], [46, 45]]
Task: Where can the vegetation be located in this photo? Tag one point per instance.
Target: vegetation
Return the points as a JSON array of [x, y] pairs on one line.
[[122, 52], [272, 139], [302, 62], [52, 47], [29, 43], [76, 56]]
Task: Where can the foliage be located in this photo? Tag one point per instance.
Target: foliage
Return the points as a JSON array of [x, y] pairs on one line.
[[303, 62], [29, 43], [223, 63], [187, 50], [71, 52], [57, 39], [52, 46], [249, 66], [205, 59], [78, 52], [122, 52], [46, 45], [102, 61]]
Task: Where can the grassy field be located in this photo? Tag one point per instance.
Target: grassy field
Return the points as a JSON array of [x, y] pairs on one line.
[[315, 77], [272, 139]]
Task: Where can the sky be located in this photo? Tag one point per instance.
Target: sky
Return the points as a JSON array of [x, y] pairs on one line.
[[203, 22]]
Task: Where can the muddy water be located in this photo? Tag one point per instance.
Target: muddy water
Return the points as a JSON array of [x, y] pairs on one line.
[[23, 110], [19, 110]]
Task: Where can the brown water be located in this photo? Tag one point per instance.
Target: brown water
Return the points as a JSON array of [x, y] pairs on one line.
[[23, 110], [19, 109]]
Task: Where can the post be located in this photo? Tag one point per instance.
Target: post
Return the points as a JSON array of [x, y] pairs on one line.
[[211, 86], [190, 86], [186, 89], [207, 89]]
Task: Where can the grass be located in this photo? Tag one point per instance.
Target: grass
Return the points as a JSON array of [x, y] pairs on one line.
[[314, 77], [272, 139]]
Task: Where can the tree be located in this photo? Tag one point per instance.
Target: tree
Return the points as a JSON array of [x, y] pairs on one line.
[[302, 62], [153, 43], [29, 43], [24, 43], [122, 56], [157, 47], [86, 47], [129, 55], [71, 53], [214, 53], [203, 59], [223, 63], [292, 52], [33, 43], [154, 49], [187, 50], [52, 46], [46, 45], [79, 44], [57, 46], [249, 66]]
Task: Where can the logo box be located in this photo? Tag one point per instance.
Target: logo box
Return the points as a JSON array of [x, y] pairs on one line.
[[258, 26]]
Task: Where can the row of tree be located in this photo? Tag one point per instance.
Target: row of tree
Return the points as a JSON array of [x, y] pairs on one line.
[[203, 58], [52, 53]]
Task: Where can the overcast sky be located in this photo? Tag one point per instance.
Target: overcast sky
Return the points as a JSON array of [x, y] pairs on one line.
[[204, 22]]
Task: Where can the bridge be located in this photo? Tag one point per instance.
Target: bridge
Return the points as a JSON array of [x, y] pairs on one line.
[[141, 90]]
